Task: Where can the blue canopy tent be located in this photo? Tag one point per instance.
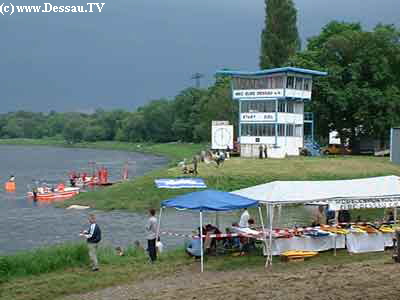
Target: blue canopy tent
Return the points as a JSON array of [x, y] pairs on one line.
[[209, 200]]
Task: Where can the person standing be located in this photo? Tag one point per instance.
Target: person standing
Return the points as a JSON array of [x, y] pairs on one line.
[[195, 162], [319, 216], [228, 152], [151, 230], [244, 219], [93, 237], [265, 151]]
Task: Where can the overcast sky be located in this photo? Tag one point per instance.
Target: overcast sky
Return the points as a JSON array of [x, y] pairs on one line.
[[138, 50]]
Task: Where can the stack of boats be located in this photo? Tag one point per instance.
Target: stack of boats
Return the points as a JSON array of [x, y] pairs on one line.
[[324, 230]]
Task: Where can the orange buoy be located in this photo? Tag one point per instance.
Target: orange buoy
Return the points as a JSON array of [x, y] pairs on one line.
[[10, 186]]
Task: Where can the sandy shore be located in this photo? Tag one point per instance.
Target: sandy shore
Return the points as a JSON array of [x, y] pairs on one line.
[[356, 281]]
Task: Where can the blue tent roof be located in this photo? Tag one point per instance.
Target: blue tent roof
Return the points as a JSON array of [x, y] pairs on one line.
[[210, 200]]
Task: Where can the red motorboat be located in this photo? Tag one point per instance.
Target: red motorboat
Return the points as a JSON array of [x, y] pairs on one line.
[[60, 193]]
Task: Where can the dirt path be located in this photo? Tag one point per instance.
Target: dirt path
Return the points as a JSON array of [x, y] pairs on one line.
[[355, 281]]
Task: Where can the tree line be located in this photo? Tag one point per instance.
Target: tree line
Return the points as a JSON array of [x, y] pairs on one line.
[[360, 95], [185, 118]]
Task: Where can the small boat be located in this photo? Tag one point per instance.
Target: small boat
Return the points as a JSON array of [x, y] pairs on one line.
[[386, 229], [316, 233], [299, 253], [366, 228], [48, 194]]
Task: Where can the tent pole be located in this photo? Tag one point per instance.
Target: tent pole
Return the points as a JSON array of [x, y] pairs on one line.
[[336, 222], [334, 249], [159, 224], [271, 216], [336, 217], [201, 240], [263, 231]]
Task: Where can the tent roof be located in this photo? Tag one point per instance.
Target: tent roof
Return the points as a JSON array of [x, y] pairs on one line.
[[281, 192], [271, 71], [210, 200]]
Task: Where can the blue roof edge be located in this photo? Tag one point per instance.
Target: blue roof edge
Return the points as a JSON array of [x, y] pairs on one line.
[[271, 71]]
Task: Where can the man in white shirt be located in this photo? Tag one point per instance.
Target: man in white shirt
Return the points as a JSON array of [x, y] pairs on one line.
[[151, 232], [244, 219]]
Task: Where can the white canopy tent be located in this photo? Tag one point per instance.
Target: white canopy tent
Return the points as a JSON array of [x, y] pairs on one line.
[[376, 192], [331, 191]]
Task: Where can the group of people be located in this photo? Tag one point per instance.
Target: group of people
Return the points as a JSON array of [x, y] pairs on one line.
[[243, 244], [93, 237], [74, 178], [218, 156], [190, 169], [324, 216]]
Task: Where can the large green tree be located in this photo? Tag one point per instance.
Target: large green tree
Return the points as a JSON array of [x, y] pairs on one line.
[[187, 113], [360, 95], [280, 38], [216, 104]]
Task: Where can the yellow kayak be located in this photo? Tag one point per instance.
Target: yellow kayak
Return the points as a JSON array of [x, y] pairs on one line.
[[386, 229], [366, 228], [334, 230], [355, 229], [299, 253]]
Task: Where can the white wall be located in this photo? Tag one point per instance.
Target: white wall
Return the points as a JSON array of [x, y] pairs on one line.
[[290, 118], [297, 94], [290, 144]]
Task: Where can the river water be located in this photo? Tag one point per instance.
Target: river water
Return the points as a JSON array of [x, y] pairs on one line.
[[25, 224]]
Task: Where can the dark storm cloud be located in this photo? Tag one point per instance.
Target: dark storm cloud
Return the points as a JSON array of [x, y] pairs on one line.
[[137, 50]]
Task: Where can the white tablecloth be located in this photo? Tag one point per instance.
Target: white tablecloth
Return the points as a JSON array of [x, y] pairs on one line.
[[365, 242], [388, 239], [308, 243]]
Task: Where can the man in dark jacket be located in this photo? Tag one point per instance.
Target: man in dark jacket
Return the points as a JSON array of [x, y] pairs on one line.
[[93, 237]]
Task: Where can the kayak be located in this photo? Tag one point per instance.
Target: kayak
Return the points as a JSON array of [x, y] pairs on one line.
[[299, 253], [334, 229], [366, 228], [386, 229]]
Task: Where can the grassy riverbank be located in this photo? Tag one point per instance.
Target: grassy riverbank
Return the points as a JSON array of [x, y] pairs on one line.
[[141, 193], [63, 270]]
